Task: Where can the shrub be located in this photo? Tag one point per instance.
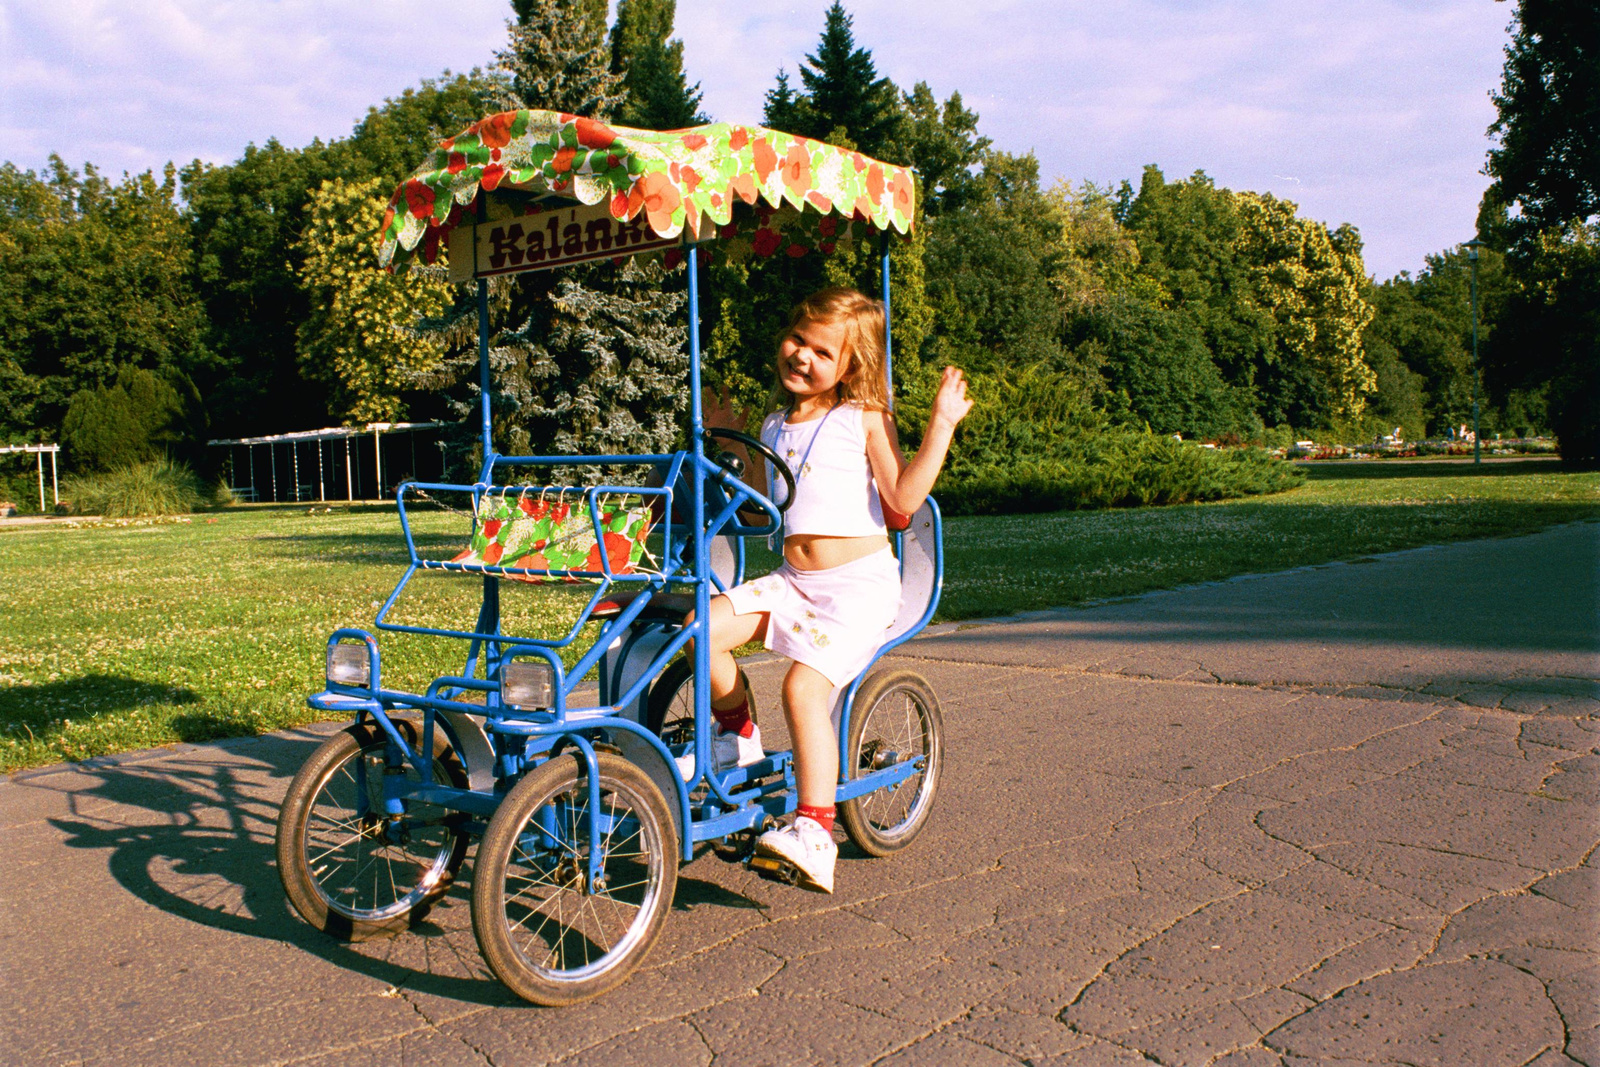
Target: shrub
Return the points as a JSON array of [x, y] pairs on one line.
[[140, 416], [1113, 469], [1034, 442], [158, 487]]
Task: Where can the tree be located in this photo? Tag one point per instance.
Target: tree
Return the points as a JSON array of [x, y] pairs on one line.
[[356, 339], [659, 95], [1426, 323], [1097, 257], [1187, 233], [611, 370], [989, 268], [138, 417], [843, 89], [1547, 339], [1547, 160], [244, 219], [394, 137], [944, 146], [1546, 166], [843, 99], [783, 108], [558, 59], [1280, 300], [585, 367], [97, 278], [1313, 283], [1159, 373]]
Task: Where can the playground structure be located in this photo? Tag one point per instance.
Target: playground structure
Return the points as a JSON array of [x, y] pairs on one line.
[[40, 450], [343, 474]]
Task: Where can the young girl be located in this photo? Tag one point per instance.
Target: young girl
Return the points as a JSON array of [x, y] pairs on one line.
[[838, 590]]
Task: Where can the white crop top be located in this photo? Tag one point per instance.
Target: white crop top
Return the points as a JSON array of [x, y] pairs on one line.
[[835, 494]]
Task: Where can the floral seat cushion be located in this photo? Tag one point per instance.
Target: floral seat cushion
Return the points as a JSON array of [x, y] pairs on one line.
[[540, 534]]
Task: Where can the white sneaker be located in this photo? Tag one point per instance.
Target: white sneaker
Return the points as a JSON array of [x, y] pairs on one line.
[[806, 847], [729, 749]]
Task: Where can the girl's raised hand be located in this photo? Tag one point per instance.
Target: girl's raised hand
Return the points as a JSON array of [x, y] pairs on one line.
[[950, 403]]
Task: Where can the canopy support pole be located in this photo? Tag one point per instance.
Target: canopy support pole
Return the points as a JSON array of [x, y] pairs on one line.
[[888, 331], [377, 460], [483, 375], [702, 551], [349, 482], [41, 477]]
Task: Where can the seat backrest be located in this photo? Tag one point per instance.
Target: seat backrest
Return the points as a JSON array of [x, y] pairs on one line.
[[919, 570]]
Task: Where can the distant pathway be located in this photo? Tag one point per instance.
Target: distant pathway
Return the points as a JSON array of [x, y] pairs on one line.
[[1341, 815]]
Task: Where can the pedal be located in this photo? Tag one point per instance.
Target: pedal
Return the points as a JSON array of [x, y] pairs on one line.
[[775, 869]]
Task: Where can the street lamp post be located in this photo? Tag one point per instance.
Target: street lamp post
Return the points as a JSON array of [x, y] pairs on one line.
[[1472, 257]]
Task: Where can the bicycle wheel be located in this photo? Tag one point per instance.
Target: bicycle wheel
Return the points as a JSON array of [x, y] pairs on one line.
[[895, 718], [348, 868], [669, 711], [549, 935]]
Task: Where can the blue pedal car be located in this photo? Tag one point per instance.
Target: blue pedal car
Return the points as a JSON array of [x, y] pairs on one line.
[[560, 759]]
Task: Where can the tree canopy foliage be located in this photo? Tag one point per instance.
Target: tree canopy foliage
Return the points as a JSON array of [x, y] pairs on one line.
[[1547, 159], [1543, 209], [98, 277], [140, 315], [651, 64]]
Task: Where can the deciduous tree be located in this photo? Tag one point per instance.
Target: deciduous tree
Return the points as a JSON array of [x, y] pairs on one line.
[[357, 339], [97, 278], [1546, 159]]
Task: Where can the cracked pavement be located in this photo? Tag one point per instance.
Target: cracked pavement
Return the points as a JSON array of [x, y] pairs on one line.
[[1342, 815]]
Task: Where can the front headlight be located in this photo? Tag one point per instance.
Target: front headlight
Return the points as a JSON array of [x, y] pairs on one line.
[[526, 685], [349, 664]]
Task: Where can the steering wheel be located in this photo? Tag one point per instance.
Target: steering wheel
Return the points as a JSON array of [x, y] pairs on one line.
[[760, 447]]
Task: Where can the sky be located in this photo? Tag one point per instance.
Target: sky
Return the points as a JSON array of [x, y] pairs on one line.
[[1371, 112]]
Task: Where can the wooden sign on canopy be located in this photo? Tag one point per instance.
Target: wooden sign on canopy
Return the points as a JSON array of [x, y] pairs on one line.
[[548, 236]]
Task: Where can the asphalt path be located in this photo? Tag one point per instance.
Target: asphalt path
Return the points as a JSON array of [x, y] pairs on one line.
[[1341, 815]]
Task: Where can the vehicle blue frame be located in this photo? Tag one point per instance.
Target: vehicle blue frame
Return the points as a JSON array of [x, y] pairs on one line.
[[498, 742]]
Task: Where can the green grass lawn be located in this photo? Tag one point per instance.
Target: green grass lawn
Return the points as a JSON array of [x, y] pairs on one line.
[[123, 637]]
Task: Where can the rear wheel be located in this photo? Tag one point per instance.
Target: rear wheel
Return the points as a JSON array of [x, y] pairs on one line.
[[669, 713], [894, 719], [349, 867], [547, 932]]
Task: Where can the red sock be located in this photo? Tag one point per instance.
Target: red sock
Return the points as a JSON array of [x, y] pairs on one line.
[[735, 720], [822, 816]]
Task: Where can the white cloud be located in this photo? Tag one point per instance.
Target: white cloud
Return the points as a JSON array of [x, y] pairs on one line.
[[1378, 106]]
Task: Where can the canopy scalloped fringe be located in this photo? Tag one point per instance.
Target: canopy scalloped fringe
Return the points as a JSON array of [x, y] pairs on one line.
[[677, 179]]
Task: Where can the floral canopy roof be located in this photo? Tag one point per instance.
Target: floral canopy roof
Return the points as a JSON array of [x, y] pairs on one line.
[[678, 179]]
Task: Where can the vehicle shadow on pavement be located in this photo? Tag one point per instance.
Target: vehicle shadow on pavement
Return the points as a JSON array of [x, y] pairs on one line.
[[194, 837]]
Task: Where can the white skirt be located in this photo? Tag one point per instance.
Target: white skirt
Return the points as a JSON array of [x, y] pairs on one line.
[[831, 620]]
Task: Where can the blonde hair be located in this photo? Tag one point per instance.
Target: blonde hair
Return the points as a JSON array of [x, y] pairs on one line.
[[862, 379]]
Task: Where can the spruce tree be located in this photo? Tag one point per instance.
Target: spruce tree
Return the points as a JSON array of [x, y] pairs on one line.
[[596, 362], [557, 59], [659, 95], [785, 109], [843, 90]]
